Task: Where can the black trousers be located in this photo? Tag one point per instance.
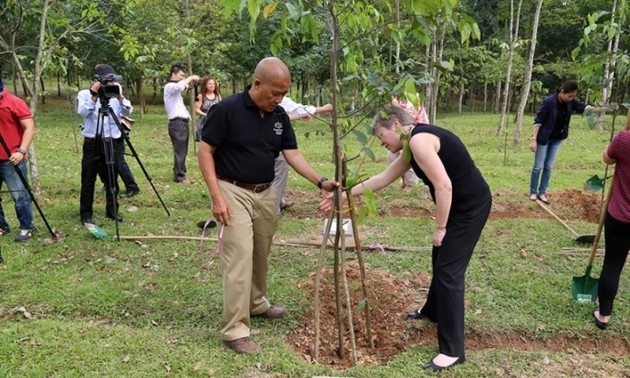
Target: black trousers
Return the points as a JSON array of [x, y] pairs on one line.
[[445, 300], [123, 168], [178, 131], [94, 164], [617, 235]]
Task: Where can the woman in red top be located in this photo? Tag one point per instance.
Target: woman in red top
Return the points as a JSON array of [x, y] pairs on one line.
[[617, 226]]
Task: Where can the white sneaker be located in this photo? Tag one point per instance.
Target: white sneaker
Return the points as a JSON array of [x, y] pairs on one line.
[[24, 235]]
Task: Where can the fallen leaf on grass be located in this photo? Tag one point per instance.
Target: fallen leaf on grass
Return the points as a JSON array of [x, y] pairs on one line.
[[141, 244], [167, 367], [22, 311], [125, 359]]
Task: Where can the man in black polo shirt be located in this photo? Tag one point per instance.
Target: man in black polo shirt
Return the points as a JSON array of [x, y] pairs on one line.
[[242, 136]]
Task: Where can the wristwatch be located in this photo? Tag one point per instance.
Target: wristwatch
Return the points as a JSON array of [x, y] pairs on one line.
[[23, 152], [321, 182]]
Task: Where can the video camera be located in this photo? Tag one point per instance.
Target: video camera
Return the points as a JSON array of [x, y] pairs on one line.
[[109, 85], [105, 74]]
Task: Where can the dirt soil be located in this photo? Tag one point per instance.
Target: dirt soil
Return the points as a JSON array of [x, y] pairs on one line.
[[392, 333]]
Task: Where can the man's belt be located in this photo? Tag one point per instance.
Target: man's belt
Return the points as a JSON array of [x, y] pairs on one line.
[[256, 188], [179, 119]]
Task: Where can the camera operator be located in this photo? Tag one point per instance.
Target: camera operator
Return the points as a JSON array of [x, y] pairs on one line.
[[178, 118], [97, 134]]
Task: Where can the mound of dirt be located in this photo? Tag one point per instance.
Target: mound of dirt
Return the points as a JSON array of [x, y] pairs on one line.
[[570, 204], [389, 299]]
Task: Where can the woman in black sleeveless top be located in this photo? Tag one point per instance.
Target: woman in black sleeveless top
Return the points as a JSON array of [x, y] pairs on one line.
[[463, 202]]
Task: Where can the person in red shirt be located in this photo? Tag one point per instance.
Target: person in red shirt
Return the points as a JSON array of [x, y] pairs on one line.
[[617, 226], [16, 129]]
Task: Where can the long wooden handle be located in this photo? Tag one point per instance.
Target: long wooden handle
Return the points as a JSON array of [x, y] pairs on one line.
[[602, 218], [542, 204]]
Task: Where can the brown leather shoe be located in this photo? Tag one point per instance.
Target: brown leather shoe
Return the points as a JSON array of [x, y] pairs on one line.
[[244, 345], [272, 312]]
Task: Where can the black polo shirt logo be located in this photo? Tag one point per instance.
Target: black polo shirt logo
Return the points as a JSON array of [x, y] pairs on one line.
[[277, 127]]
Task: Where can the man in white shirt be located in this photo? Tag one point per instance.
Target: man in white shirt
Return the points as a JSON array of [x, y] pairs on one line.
[[178, 118], [295, 111], [101, 139]]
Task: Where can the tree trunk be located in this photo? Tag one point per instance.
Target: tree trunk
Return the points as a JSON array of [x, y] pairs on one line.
[[485, 96], [497, 98], [141, 99], [41, 85], [508, 76], [609, 67], [527, 80], [461, 98]]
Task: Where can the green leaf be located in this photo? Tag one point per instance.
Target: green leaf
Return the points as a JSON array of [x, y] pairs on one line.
[[351, 180], [363, 211], [361, 137], [360, 306], [293, 10], [370, 202], [368, 151], [406, 151], [410, 87]]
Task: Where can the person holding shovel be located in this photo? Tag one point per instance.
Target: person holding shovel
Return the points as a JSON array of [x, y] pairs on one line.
[[463, 201], [551, 127], [617, 226]]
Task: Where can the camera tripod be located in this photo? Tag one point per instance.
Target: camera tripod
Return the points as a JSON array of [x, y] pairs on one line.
[[110, 161]]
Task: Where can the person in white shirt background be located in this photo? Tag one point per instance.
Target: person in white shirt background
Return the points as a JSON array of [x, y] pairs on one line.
[[295, 111]]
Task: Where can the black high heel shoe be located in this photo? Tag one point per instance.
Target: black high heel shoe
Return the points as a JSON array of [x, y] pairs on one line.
[[430, 366], [419, 315], [601, 325]]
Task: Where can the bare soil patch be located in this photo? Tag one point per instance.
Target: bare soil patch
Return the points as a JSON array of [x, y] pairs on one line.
[[392, 299], [391, 331], [570, 204]]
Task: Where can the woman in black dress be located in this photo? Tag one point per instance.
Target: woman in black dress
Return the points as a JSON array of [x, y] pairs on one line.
[[463, 203]]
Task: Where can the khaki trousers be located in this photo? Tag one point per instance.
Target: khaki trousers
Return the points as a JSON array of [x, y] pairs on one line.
[[246, 244]]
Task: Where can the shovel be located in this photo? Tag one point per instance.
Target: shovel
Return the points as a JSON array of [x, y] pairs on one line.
[[594, 184], [584, 288], [585, 239]]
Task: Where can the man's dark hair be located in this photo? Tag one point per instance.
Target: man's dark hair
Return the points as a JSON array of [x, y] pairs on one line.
[[568, 86], [175, 68]]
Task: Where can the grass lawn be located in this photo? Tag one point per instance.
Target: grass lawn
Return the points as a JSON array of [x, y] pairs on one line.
[[83, 307]]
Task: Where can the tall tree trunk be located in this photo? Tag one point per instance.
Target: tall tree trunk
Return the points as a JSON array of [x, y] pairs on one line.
[[609, 67], [437, 50], [485, 96], [527, 80], [141, 99], [42, 86], [460, 101], [497, 98], [398, 42], [508, 76]]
